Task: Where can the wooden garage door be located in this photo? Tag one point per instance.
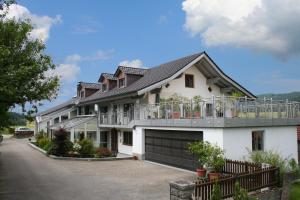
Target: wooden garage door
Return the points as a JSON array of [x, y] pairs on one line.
[[170, 147]]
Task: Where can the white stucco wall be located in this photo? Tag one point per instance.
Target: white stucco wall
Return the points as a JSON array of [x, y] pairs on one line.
[[138, 143], [280, 139], [123, 148], [178, 86]]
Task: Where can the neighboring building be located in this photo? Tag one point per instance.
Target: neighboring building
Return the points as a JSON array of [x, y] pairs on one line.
[[154, 113]]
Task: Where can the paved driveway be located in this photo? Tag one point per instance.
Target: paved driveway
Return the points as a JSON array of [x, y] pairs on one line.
[[26, 174]]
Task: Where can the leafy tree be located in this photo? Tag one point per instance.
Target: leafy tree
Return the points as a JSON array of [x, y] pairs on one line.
[[23, 67]]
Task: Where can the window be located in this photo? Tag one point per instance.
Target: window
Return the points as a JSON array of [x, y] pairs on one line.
[[104, 87], [127, 138], [209, 110], [82, 94], [189, 80], [121, 82], [257, 140], [103, 138], [157, 98]]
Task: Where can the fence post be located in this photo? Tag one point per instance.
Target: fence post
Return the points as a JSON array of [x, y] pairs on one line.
[[181, 190]]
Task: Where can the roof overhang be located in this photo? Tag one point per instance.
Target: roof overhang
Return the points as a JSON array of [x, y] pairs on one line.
[[73, 123]]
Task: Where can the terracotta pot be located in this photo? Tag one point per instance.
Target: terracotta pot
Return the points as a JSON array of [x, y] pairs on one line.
[[176, 115], [197, 114], [201, 172], [214, 176]]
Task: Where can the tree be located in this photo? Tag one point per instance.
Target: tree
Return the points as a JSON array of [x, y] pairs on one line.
[[23, 67]]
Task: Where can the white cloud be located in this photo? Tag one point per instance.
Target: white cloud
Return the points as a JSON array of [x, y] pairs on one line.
[[260, 25], [41, 24], [133, 63], [67, 72], [73, 58]]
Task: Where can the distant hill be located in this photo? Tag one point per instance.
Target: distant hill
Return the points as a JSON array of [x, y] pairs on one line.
[[17, 119], [292, 96]]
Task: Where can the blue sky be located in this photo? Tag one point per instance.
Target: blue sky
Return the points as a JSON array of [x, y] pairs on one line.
[[96, 36]]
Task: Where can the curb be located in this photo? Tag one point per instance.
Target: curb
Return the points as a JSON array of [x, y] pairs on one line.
[[77, 159]]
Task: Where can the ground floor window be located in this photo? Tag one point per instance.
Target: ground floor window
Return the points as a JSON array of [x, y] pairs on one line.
[[257, 140], [127, 138], [91, 135], [103, 139]]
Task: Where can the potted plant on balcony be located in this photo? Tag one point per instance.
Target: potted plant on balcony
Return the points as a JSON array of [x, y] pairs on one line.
[[175, 100], [196, 101], [215, 162], [202, 150], [234, 98]]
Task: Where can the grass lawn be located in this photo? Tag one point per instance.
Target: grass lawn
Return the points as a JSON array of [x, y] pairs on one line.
[[295, 191]]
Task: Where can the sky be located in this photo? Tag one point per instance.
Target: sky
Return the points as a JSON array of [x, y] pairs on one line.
[[252, 41]]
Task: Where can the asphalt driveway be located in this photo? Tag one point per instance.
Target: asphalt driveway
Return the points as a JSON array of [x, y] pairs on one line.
[[27, 174]]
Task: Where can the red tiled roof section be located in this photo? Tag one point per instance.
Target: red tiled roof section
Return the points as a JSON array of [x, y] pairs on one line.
[[298, 132]]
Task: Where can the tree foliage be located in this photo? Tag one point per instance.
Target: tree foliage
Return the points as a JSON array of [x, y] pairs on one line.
[[23, 67]]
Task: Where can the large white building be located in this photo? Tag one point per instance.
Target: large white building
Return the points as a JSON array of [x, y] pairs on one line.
[[154, 113]]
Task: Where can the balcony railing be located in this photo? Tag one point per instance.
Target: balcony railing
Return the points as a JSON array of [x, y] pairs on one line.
[[209, 108]]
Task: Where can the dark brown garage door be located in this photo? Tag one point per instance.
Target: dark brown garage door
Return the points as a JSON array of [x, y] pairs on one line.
[[170, 147]]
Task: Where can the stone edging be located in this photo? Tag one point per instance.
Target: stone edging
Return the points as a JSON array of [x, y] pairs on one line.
[[77, 159]]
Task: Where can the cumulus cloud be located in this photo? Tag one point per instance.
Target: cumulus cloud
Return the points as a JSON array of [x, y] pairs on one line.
[[41, 24], [67, 72], [99, 55], [260, 25], [73, 58], [133, 63]]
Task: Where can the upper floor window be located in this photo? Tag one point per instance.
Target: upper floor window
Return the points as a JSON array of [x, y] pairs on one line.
[[189, 80], [257, 140], [82, 94], [104, 87], [121, 82], [157, 98]]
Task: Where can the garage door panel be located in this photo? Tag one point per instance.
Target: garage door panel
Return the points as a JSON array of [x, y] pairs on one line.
[[170, 147]]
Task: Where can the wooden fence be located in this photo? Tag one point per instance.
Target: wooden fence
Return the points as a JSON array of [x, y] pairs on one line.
[[252, 181], [239, 167]]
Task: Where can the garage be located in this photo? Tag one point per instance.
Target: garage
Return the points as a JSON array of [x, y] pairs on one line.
[[170, 147]]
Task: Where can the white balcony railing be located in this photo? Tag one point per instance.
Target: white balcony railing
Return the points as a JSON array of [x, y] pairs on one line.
[[209, 108]]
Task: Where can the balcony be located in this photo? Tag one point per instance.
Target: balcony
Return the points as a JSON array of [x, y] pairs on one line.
[[210, 112]]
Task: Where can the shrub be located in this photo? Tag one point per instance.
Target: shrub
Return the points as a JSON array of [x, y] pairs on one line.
[[212, 156], [240, 193], [87, 148], [42, 142], [216, 192], [102, 152], [61, 143]]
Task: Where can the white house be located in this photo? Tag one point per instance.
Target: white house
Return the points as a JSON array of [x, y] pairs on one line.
[[154, 113]]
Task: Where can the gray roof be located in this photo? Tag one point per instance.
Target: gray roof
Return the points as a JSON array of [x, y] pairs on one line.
[[90, 85], [151, 76], [108, 76], [130, 70], [68, 103], [70, 123]]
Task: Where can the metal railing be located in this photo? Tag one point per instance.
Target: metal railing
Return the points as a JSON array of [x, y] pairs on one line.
[[206, 108]]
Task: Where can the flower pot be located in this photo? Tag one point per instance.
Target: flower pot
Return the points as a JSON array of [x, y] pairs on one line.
[[197, 115], [176, 115], [201, 172], [214, 176]]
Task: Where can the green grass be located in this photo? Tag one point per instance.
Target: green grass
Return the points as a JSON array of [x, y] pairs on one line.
[[295, 191]]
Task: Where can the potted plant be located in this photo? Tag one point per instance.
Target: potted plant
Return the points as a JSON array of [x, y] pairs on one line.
[[215, 162], [202, 150], [234, 98], [197, 100]]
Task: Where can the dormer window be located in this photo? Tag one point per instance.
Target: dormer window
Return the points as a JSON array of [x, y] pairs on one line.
[[81, 94], [189, 80], [104, 87], [121, 82]]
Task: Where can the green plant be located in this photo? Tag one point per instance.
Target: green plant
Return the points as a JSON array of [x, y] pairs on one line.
[[61, 143], [240, 193], [273, 158], [87, 148], [209, 155], [216, 192], [102, 152], [197, 100]]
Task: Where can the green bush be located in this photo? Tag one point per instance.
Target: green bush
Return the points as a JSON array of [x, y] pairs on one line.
[[42, 142], [87, 148], [240, 193], [61, 144], [102, 152], [216, 192]]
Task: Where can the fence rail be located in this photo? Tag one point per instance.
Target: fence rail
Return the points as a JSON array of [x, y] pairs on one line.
[[252, 181], [240, 167]]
